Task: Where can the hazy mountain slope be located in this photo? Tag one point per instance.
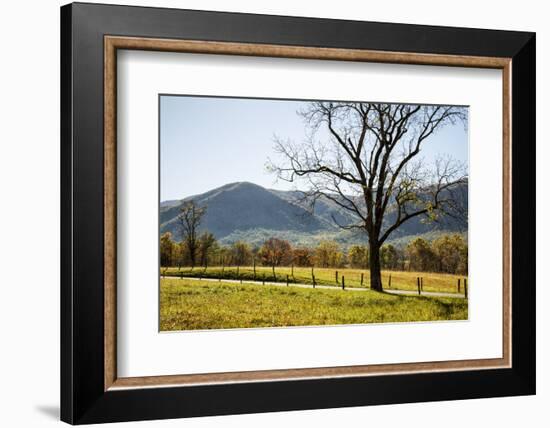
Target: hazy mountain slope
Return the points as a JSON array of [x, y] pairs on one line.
[[246, 206], [246, 211], [324, 208]]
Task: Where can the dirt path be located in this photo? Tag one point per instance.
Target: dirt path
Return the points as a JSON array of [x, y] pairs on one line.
[[325, 287]]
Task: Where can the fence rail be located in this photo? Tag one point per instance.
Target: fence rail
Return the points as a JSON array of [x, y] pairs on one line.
[[342, 278]]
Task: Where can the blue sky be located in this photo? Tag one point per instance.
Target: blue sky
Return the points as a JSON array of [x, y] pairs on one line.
[[208, 142]]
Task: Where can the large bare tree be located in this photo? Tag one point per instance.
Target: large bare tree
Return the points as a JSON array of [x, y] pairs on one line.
[[364, 157], [189, 220]]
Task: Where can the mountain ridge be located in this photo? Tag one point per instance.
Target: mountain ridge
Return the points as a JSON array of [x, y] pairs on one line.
[[246, 211]]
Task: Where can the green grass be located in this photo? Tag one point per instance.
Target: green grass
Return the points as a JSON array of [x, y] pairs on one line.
[[192, 304], [400, 280]]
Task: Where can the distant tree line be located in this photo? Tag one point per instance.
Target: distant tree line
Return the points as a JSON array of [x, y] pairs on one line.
[[447, 253]]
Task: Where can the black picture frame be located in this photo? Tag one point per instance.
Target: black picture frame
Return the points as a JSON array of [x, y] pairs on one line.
[[83, 398]]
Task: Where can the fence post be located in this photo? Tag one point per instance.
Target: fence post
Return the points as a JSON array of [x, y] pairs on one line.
[[361, 279], [313, 277], [458, 286], [418, 284], [343, 283], [422, 283], [287, 280], [292, 270], [465, 288], [263, 278], [336, 276], [389, 281]]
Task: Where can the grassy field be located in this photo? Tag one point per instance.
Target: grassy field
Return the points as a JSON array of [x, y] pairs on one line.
[[191, 304], [400, 280]]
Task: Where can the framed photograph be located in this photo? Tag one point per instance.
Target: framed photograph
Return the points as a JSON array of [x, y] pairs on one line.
[[265, 213]]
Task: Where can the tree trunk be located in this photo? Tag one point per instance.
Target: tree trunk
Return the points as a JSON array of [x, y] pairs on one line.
[[374, 264]]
